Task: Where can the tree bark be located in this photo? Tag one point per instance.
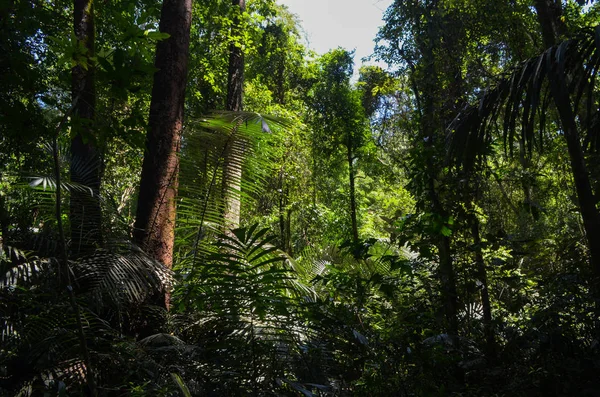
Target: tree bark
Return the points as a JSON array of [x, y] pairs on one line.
[[86, 163], [156, 208], [234, 154]]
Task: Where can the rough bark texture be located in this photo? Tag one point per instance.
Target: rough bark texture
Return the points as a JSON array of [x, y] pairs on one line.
[[234, 154], [86, 164], [155, 217]]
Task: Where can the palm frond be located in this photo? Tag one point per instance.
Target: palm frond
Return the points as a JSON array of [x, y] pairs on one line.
[[566, 72], [123, 277], [20, 268], [245, 299], [202, 191], [49, 182]]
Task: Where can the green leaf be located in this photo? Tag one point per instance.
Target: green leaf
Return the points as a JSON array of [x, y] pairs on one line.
[[182, 386], [154, 35]]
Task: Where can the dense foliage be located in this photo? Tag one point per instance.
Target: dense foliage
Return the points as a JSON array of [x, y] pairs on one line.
[[431, 228]]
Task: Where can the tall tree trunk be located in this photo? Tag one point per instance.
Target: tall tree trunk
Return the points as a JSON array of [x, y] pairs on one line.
[[86, 164], [283, 202], [156, 208], [549, 13], [234, 154], [488, 331], [4, 219], [448, 279], [352, 178], [583, 187], [431, 121], [282, 232], [235, 76], [288, 232]]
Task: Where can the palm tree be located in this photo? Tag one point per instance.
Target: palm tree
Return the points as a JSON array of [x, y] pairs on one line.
[[562, 78]]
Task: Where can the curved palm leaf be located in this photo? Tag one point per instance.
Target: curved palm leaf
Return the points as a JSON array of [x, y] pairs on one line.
[[122, 278], [245, 302], [564, 75], [202, 189]]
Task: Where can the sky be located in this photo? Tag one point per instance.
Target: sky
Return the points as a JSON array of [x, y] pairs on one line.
[[332, 23]]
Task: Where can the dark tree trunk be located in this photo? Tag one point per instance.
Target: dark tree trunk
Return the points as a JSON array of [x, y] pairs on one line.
[[282, 232], [488, 331], [4, 219], [235, 76], [351, 178], [448, 281], [234, 154], [549, 13], [283, 220], [288, 231], [156, 208], [86, 163], [583, 187], [431, 121]]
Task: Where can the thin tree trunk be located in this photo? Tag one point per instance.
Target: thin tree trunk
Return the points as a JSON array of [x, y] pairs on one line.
[[448, 281], [65, 273], [282, 232], [4, 220], [234, 155], [549, 14], [235, 77], [488, 331], [288, 239], [284, 216], [583, 187], [86, 164], [352, 178], [156, 208], [525, 184]]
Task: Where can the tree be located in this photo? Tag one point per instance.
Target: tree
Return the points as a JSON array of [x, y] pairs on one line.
[[339, 119], [273, 86], [155, 216], [234, 155], [86, 163], [562, 72], [434, 60], [549, 13]]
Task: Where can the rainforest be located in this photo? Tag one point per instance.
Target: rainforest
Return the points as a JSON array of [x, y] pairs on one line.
[[195, 203]]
